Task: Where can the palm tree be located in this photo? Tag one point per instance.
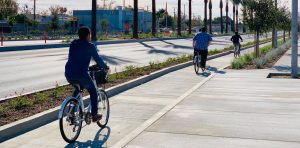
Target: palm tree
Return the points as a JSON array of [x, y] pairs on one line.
[[221, 9], [236, 4], [205, 13], [135, 19], [94, 20], [190, 16], [179, 19], [210, 17], [153, 18], [227, 9]]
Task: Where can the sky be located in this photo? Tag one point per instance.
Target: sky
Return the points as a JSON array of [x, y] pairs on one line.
[[197, 5]]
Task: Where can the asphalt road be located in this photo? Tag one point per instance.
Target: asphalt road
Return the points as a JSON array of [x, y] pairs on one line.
[[25, 71]]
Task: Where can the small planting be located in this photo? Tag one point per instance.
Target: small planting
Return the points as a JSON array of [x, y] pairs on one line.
[[41, 97], [20, 103], [268, 56]]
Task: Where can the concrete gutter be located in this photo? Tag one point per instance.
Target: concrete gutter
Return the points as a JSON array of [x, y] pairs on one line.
[[62, 45]]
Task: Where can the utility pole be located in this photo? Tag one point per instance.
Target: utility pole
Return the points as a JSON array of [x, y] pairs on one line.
[[190, 16], [294, 38], [94, 20], [34, 9], [124, 4], [179, 19]]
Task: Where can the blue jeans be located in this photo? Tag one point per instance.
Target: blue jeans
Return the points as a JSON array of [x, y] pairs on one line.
[[87, 83]]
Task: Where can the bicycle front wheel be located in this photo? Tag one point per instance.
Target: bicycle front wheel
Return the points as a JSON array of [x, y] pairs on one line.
[[71, 122], [196, 64], [103, 109]]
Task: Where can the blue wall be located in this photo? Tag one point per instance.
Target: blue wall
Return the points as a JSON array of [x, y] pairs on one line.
[[115, 18]]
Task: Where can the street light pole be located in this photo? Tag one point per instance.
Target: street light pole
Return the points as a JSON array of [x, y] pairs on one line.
[[295, 38], [94, 20]]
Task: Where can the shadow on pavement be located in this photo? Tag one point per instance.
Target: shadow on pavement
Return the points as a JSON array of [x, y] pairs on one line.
[[177, 46], [215, 70], [115, 60], [100, 139], [157, 51]]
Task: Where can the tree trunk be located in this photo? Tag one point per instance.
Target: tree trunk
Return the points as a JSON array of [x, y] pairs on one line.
[[210, 17], [221, 9], [190, 16], [237, 19], [205, 13], [289, 34], [94, 20], [135, 19], [284, 36], [179, 19], [153, 18], [227, 9], [257, 44], [233, 25]]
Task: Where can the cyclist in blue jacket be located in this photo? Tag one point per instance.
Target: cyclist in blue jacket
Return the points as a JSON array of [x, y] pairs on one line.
[[76, 70]]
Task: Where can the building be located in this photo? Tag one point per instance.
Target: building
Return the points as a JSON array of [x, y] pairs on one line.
[[118, 20]]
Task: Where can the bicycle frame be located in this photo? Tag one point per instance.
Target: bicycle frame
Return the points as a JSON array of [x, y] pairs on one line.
[[79, 97]]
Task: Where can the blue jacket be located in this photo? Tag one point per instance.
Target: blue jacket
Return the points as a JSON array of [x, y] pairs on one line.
[[202, 39], [80, 54]]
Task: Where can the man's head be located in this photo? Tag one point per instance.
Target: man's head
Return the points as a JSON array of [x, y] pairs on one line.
[[236, 33], [84, 33], [204, 29]]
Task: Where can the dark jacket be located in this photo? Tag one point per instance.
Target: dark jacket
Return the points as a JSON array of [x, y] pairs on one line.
[[236, 39], [80, 54]]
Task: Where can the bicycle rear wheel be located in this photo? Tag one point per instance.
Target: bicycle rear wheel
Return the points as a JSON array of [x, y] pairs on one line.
[[103, 109], [71, 122]]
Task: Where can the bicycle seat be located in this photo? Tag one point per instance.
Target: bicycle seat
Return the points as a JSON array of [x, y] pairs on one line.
[[76, 85]]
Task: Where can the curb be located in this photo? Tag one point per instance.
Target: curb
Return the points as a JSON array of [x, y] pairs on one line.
[[61, 45], [24, 125]]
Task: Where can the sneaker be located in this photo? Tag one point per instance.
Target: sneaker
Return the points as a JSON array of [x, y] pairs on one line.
[[97, 117]]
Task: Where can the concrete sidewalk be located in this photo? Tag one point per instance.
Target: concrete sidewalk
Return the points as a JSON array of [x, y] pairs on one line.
[[237, 109], [226, 109]]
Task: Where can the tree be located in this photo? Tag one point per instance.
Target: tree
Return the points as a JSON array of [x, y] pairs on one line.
[[8, 8], [135, 20], [274, 32], [103, 24], [210, 17], [54, 23], [205, 13], [153, 17], [259, 16], [179, 19], [284, 20], [221, 9], [236, 4], [227, 9]]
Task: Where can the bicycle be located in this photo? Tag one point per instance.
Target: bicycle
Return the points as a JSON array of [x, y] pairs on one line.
[[196, 62], [237, 50], [73, 111]]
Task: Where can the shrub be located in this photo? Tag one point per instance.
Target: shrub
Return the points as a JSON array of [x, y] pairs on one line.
[[20, 103], [237, 64], [40, 97]]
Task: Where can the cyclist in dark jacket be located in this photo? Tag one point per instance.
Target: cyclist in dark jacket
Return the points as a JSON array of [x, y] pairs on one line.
[[76, 70], [236, 40]]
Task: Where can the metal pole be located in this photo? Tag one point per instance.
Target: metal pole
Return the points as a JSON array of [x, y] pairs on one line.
[[295, 38], [94, 20], [34, 9]]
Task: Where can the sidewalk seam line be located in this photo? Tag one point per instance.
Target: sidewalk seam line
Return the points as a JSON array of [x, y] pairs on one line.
[[132, 135], [225, 137]]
